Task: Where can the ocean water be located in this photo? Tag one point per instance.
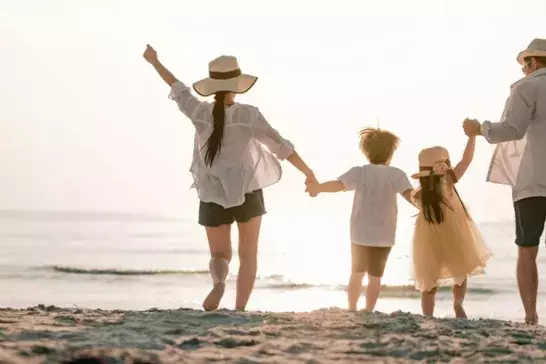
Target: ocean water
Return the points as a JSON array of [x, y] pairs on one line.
[[109, 261]]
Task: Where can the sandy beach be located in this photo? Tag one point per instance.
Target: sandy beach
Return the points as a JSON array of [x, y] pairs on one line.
[[56, 335]]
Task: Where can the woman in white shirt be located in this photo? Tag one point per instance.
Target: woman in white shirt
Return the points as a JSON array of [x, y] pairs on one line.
[[230, 167]]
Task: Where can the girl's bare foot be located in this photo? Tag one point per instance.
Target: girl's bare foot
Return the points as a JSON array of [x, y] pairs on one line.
[[459, 310], [213, 299]]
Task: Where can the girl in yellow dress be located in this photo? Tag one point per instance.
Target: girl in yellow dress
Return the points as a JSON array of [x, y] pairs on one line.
[[447, 246]]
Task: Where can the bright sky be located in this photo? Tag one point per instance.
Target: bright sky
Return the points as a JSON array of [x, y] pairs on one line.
[[86, 124]]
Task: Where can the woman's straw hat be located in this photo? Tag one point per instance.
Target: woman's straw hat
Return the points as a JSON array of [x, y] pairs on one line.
[[224, 75]]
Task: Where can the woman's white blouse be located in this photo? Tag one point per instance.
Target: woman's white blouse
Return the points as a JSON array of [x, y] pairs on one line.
[[243, 164]]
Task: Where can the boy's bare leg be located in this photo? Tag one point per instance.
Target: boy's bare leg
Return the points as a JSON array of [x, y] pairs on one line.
[[372, 292], [355, 289]]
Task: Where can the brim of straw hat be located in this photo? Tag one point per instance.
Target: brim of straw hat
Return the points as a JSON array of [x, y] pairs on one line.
[[530, 53], [426, 174], [238, 85]]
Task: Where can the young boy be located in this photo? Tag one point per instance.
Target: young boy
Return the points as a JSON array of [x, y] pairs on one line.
[[374, 215]]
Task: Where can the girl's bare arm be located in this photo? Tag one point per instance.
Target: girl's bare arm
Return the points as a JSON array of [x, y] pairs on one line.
[[468, 155]]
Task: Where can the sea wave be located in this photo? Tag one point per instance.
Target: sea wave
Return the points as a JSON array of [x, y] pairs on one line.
[[401, 291], [68, 215], [126, 272], [277, 282]]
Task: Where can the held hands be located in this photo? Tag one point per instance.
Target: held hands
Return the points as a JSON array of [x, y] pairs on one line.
[[311, 185], [312, 188], [471, 127], [150, 55]]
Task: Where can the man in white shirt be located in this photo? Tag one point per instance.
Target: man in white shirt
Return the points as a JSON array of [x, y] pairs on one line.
[[522, 131]]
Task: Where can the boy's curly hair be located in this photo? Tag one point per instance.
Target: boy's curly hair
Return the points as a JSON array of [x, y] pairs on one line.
[[378, 145]]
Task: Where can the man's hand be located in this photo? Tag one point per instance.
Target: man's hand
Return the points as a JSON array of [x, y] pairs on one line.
[[311, 180], [312, 188], [471, 127], [310, 177], [150, 54]]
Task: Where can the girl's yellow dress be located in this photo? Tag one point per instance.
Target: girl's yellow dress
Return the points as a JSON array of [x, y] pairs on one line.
[[449, 252]]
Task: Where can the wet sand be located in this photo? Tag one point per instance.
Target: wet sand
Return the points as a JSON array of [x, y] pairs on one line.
[[56, 335]]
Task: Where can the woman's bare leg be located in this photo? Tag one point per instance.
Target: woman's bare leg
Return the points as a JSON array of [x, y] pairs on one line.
[[459, 293], [220, 255], [249, 233]]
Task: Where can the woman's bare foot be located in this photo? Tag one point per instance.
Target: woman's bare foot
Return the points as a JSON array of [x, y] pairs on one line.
[[459, 310], [213, 299]]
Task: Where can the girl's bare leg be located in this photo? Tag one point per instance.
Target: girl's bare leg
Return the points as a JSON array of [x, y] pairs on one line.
[[428, 300], [459, 293]]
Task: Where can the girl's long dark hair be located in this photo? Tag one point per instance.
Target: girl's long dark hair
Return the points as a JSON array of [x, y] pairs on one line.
[[214, 144], [432, 197]]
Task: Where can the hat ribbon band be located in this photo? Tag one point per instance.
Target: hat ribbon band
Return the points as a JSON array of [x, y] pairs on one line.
[[224, 75]]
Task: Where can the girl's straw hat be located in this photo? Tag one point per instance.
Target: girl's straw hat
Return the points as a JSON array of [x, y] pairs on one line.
[[224, 75], [432, 161]]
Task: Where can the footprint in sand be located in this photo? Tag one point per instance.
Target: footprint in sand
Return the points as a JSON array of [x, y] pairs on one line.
[[191, 344]]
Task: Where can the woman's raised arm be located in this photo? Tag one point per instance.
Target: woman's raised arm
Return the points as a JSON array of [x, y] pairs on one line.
[[150, 55]]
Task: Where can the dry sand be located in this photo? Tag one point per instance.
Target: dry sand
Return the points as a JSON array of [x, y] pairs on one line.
[[55, 335]]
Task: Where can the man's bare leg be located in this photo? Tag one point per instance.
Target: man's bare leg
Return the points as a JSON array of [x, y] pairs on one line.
[[527, 274]]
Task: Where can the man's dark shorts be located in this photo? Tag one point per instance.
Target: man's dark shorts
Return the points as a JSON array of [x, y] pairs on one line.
[[530, 218], [212, 215]]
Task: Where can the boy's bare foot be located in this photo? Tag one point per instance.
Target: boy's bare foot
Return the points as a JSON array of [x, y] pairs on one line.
[[213, 299], [459, 310]]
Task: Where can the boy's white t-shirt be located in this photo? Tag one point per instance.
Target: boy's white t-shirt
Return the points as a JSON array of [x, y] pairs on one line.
[[375, 210]]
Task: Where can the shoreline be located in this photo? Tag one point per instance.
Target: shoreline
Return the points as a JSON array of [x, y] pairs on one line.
[[52, 334]]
